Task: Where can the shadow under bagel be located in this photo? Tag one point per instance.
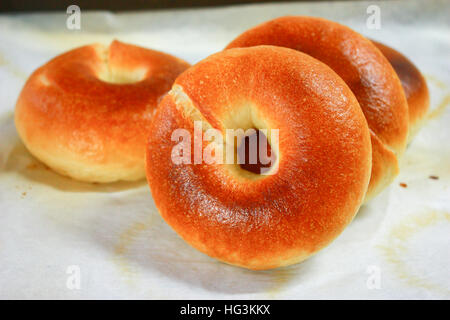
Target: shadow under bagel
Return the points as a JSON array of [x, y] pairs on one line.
[[148, 244]]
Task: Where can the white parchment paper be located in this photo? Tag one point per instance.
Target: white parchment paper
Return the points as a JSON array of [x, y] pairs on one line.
[[53, 228]]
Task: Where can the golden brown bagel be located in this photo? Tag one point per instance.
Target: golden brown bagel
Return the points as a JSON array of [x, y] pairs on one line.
[[86, 113], [365, 70], [324, 157], [414, 85]]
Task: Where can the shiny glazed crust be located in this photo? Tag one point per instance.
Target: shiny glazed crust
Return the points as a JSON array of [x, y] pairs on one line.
[[86, 113], [365, 70], [414, 85], [324, 157]]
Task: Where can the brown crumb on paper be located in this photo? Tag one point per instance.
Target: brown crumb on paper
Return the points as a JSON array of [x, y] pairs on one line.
[[434, 177]]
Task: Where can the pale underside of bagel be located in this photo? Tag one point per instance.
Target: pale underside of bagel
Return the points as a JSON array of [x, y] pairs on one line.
[[83, 155]]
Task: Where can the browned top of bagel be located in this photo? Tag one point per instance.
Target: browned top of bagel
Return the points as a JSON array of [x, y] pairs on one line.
[[413, 83], [365, 70], [86, 113], [324, 157]]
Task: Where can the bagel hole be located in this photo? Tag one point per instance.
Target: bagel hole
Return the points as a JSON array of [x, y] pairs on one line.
[[119, 76], [254, 153], [112, 70]]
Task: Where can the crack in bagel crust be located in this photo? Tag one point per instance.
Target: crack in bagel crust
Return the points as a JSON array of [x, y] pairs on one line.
[[185, 105], [233, 129]]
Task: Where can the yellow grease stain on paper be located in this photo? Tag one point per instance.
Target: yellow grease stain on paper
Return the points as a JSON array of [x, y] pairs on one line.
[[396, 248], [12, 69], [445, 102], [435, 81], [280, 278], [126, 240], [439, 110]]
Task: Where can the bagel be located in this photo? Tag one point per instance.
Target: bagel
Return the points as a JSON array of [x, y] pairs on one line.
[[365, 70], [323, 157], [414, 85], [86, 113]]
